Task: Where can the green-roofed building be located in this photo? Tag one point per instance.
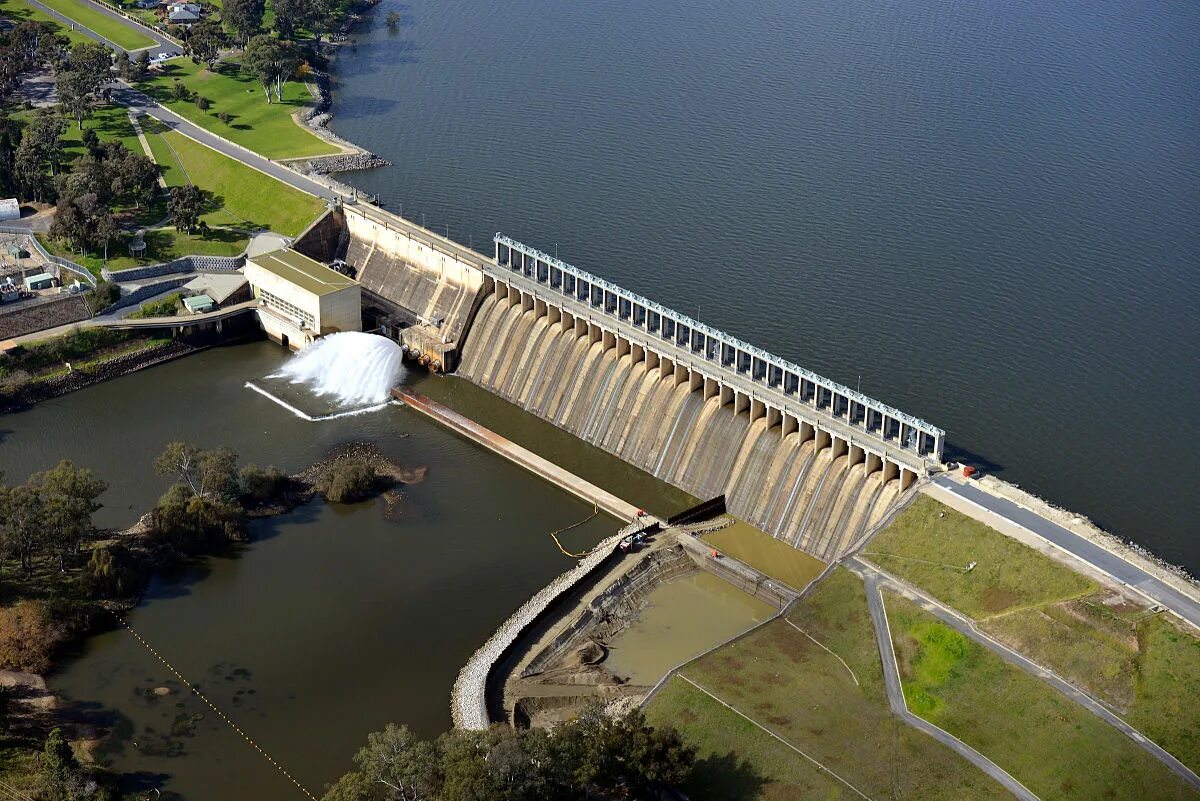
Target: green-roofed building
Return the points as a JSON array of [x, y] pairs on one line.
[[301, 299]]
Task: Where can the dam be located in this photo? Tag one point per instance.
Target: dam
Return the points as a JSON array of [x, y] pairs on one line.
[[808, 460]]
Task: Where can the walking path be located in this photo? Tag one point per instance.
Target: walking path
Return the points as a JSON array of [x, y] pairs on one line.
[[1004, 514], [874, 577], [895, 692]]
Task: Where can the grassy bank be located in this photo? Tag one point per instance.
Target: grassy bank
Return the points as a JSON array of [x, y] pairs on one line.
[[241, 196], [119, 33], [266, 128], [830, 704], [930, 545], [20, 11]]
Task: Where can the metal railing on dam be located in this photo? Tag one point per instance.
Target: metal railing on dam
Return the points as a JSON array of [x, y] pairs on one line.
[[750, 377]]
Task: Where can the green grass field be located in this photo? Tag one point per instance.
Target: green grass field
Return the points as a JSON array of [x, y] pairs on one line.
[[265, 128], [20, 11], [109, 122], [1055, 747], [125, 35], [837, 713], [763, 552], [1007, 575], [244, 197]]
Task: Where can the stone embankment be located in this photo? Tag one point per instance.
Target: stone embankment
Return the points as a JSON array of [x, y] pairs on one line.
[[468, 699], [348, 162], [30, 316], [37, 391]]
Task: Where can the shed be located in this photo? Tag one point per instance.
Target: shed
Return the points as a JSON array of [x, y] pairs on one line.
[[198, 304], [39, 281], [10, 209]]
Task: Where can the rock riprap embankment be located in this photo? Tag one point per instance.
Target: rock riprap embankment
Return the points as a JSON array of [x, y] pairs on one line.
[[468, 701]]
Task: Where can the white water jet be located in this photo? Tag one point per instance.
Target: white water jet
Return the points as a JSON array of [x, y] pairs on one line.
[[353, 368]]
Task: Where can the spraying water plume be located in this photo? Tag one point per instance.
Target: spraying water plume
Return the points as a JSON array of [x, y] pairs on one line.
[[352, 368]]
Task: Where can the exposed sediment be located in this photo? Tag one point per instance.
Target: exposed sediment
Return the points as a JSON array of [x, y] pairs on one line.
[[795, 489]]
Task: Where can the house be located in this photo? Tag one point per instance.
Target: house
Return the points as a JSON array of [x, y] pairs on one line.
[[10, 209], [148, 4], [183, 13]]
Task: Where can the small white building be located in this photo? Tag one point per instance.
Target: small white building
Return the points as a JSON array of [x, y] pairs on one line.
[[301, 299], [10, 209]]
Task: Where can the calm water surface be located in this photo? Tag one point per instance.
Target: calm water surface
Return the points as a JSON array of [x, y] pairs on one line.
[[985, 211], [333, 621]]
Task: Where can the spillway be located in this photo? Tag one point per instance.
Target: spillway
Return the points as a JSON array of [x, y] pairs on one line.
[[798, 490]]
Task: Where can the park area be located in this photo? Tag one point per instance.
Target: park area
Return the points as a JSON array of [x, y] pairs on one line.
[[238, 109], [810, 716], [1145, 666]]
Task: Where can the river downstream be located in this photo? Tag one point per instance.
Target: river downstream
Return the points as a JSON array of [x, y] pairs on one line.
[[333, 621]]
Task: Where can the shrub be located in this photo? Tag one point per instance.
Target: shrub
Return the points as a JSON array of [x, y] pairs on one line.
[[159, 308], [224, 116], [104, 295], [179, 91], [28, 635], [259, 485], [347, 480], [111, 572], [202, 103]]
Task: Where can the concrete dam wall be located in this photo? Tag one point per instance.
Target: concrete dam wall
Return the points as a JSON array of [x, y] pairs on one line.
[[795, 486]]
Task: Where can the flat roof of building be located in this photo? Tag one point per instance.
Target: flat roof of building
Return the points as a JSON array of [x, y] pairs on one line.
[[197, 302], [306, 273]]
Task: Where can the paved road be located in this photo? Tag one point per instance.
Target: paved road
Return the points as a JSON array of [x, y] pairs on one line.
[[140, 103], [1103, 560], [874, 577], [161, 43], [895, 693]]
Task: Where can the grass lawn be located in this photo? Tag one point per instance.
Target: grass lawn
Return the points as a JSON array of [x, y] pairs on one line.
[[243, 197], [763, 552], [122, 34], [1143, 665], [806, 695], [265, 128], [736, 759], [1055, 747], [1007, 575], [20, 11]]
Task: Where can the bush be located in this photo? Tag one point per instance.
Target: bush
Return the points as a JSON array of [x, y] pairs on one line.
[[259, 485], [28, 635], [104, 295], [111, 573], [347, 480], [179, 91], [159, 308], [202, 103], [225, 117]]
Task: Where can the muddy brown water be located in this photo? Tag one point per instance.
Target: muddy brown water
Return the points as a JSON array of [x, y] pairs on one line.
[[332, 621], [683, 618]]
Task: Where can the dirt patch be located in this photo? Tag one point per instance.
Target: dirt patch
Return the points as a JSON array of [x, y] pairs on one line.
[[997, 599]]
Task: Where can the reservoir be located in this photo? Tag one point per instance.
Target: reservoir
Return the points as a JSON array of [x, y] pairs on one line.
[[333, 621], [981, 214]]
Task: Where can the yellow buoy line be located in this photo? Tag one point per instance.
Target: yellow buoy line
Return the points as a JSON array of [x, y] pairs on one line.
[[554, 534], [214, 708]]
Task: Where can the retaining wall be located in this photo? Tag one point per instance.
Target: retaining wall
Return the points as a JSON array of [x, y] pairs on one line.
[[184, 264]]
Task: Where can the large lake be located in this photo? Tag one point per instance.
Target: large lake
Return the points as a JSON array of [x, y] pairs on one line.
[[985, 212]]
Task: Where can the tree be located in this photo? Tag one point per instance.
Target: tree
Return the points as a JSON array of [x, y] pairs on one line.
[[23, 523], [202, 502], [205, 42], [397, 760], [243, 18], [184, 207], [79, 78], [39, 155], [205, 474], [59, 765], [272, 62], [258, 485], [293, 16], [141, 66], [69, 495], [124, 66], [179, 90], [202, 103], [103, 295], [224, 116]]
